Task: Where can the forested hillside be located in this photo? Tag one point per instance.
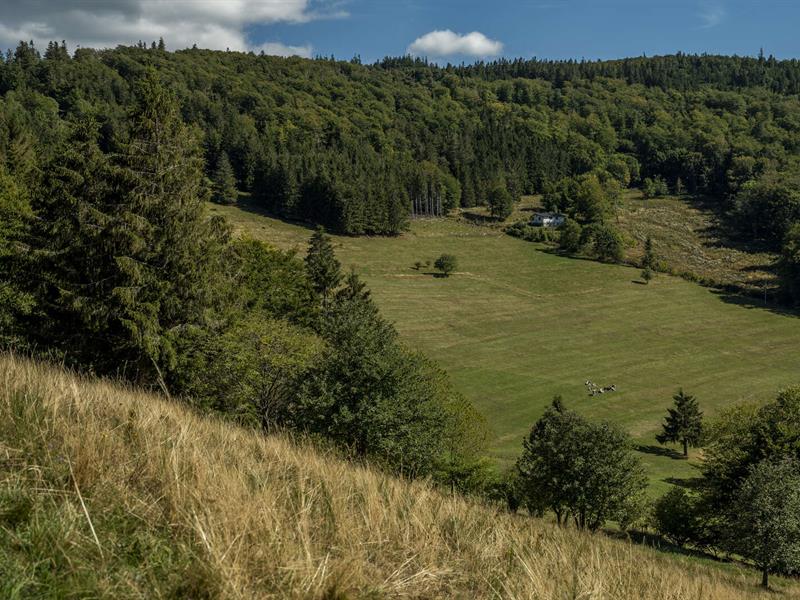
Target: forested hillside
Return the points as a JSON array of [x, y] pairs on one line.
[[362, 148]]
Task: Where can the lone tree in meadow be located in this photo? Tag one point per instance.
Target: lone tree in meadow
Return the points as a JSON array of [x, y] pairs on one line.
[[324, 270], [683, 423], [767, 525], [446, 263], [649, 261]]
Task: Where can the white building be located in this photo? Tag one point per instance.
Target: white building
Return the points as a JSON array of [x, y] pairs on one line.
[[547, 219]]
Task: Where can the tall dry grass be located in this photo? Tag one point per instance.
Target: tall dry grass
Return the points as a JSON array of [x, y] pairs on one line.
[[111, 492]]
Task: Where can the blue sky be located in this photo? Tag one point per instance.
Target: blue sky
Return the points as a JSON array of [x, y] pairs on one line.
[[555, 28], [444, 30]]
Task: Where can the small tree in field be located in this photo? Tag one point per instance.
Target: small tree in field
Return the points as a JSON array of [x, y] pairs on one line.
[[683, 423], [501, 203], [649, 261], [446, 263], [767, 525]]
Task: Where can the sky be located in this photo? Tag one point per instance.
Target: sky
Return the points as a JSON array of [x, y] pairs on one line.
[[440, 30]]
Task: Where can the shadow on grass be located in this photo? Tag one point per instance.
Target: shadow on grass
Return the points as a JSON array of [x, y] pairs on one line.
[[252, 207], [753, 302], [638, 282], [479, 219], [690, 483], [661, 451]]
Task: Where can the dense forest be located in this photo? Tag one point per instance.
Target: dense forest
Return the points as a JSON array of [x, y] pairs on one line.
[[361, 149]]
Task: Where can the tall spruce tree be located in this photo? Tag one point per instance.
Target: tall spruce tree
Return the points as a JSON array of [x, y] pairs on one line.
[[224, 181], [324, 270], [683, 423], [126, 259]]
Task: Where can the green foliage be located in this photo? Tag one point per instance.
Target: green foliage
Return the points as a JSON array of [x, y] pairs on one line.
[[765, 208], [324, 271], [271, 281], [789, 264], [15, 215], [580, 470], [252, 371], [124, 257], [571, 236], [655, 187], [370, 394], [224, 182], [500, 201], [446, 263], [677, 517], [683, 423], [602, 241], [767, 525]]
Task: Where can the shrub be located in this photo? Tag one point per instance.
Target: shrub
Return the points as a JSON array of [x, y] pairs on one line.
[[446, 263]]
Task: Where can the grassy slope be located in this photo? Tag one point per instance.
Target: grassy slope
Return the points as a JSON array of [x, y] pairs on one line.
[[109, 492], [517, 325], [688, 239]]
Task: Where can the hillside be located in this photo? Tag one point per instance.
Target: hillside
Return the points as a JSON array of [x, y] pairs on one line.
[[517, 325], [110, 492]]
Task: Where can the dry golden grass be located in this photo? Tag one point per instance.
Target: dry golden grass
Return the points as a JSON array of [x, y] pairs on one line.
[[219, 511]]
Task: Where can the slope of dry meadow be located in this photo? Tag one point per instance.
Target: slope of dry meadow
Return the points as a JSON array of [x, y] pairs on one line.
[[106, 491]]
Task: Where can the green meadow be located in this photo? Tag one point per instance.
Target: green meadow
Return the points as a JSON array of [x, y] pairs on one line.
[[516, 325]]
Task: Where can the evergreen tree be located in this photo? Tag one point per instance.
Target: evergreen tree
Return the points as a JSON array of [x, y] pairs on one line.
[[15, 219], [649, 261], [683, 423], [224, 181], [127, 260], [324, 270]]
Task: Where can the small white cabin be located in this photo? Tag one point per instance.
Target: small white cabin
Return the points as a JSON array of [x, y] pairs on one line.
[[548, 219]]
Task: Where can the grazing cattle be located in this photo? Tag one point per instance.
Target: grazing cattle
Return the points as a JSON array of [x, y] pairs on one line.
[[595, 389]]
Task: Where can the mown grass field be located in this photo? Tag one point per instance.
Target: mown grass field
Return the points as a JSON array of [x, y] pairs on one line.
[[516, 325]]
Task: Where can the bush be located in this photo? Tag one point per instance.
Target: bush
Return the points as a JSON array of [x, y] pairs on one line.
[[676, 517], [570, 240], [446, 263]]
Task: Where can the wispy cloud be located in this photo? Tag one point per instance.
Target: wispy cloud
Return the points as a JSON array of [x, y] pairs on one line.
[[442, 43], [216, 24], [711, 14]]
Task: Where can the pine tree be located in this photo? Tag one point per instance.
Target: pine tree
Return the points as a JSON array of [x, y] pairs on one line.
[[683, 423], [127, 258], [649, 261], [324, 270], [224, 181]]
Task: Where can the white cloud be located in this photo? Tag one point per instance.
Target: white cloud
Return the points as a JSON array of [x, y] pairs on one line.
[[278, 49], [449, 43], [215, 24], [712, 15]]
